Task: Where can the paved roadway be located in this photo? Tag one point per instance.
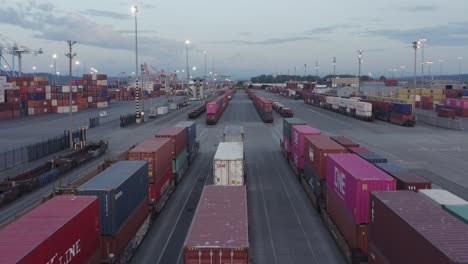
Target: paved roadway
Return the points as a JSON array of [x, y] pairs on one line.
[[442, 153], [19, 132], [120, 140], [283, 226]]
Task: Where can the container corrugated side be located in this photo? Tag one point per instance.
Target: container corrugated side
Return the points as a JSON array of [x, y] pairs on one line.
[[178, 136], [120, 188], [316, 150], [352, 179], [191, 132], [410, 181], [459, 211], [219, 227], [65, 228], [157, 152], [409, 228], [297, 141], [287, 126], [157, 189], [443, 197]]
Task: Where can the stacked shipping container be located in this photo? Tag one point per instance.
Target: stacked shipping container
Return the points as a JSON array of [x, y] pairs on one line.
[[178, 136]]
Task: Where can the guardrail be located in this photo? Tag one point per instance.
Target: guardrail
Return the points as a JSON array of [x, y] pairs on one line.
[[454, 124]]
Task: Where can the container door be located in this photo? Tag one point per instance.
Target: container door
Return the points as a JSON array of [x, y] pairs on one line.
[[221, 172], [236, 172]]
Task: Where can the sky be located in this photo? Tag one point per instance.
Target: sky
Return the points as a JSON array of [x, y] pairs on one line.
[[242, 38]]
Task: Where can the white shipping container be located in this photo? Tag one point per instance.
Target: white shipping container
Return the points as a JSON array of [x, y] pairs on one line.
[[233, 134], [54, 102], [94, 76], [30, 111], [342, 102], [162, 110], [101, 104], [417, 98], [363, 113], [3, 79], [2, 98], [364, 106], [90, 99], [65, 89], [48, 89], [74, 89], [228, 164], [443, 197], [7, 86], [351, 103], [65, 109], [48, 96]]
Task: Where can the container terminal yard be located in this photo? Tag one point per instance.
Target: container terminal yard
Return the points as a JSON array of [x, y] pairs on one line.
[[283, 224]]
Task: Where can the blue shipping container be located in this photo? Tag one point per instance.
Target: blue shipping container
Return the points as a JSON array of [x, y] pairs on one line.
[[121, 189], [36, 96], [191, 132], [48, 177], [372, 157], [390, 167], [465, 92], [404, 109]]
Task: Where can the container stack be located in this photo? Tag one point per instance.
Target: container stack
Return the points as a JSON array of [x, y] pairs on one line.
[[427, 102], [401, 113], [62, 97], [95, 86], [158, 153], [399, 233], [192, 144], [178, 137], [10, 99], [298, 134], [288, 123], [122, 190], [459, 105]]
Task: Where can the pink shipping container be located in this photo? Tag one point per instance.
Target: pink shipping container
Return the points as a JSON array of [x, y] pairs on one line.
[[352, 178], [297, 142], [286, 144], [456, 103], [65, 229], [212, 108]]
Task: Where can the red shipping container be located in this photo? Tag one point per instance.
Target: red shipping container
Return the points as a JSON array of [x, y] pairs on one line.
[[447, 113], [178, 136], [316, 150], [375, 256], [219, 230], [356, 235], [116, 244], [65, 229], [410, 181], [409, 228], [158, 153], [157, 189], [345, 142], [6, 114], [352, 178]]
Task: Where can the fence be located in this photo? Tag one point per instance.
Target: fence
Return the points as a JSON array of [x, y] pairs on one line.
[[99, 120], [32, 152], [454, 124]]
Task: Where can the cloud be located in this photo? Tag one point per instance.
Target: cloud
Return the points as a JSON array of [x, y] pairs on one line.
[[245, 33], [330, 29], [105, 13], [418, 8], [453, 34], [59, 27], [270, 41]]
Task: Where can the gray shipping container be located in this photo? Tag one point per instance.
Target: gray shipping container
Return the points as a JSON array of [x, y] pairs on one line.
[[233, 133], [121, 189]]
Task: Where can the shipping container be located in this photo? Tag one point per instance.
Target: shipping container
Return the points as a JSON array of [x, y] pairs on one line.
[[298, 142], [375, 256], [178, 136], [233, 133], [158, 153], [179, 165], [459, 211], [64, 229], [372, 157], [443, 197], [390, 167], [352, 179], [410, 181], [357, 150], [120, 188], [158, 189], [345, 142], [228, 164], [191, 133], [316, 150], [408, 228], [287, 126], [219, 230]]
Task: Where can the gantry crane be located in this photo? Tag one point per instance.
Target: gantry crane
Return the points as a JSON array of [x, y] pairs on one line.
[[19, 51]]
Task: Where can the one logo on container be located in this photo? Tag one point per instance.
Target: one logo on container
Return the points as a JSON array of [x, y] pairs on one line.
[[118, 195], [67, 256], [340, 181]]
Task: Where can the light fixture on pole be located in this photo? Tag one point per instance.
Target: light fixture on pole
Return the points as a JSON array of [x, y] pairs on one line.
[[55, 68], [187, 43], [421, 42], [204, 52], [459, 66], [402, 68], [77, 63], [138, 90], [316, 72], [359, 75], [34, 70], [415, 47]]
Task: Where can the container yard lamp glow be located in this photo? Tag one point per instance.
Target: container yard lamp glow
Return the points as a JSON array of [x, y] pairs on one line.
[[421, 43], [34, 70], [187, 43], [55, 67], [415, 47], [77, 63]]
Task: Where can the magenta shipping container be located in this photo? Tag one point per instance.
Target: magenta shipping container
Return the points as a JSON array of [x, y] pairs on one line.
[[297, 142], [352, 179], [212, 108], [286, 144]]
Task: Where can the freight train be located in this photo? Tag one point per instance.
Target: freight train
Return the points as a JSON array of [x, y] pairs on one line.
[[13, 188], [264, 106], [374, 209], [215, 108], [113, 205], [282, 110]]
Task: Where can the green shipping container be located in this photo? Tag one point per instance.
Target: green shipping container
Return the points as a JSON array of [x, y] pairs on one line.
[[24, 112], [173, 106], [179, 163], [459, 211], [287, 126]]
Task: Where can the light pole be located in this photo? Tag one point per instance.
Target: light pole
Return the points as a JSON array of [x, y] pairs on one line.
[[187, 43], [359, 75], [316, 72], [305, 73], [334, 71], [34, 71], [55, 68], [70, 55], [51, 69], [441, 62], [138, 93], [421, 41], [204, 52], [415, 46], [459, 66], [402, 68], [77, 63], [430, 63]]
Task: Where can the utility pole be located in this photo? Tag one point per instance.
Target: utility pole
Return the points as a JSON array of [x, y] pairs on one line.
[[70, 56], [359, 75], [415, 46], [205, 66], [187, 42], [295, 75], [421, 42], [305, 72], [316, 72]]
